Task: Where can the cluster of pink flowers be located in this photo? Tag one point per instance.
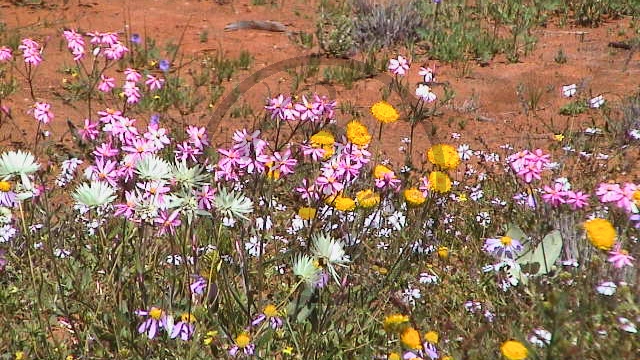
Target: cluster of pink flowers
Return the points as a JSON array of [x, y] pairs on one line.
[[561, 193], [31, 52], [42, 112], [623, 197], [107, 44], [75, 43], [529, 165], [341, 169], [284, 108], [248, 155]]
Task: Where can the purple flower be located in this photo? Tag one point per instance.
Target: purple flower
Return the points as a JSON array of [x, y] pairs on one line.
[[136, 39], [156, 319], [199, 285], [184, 328], [164, 65]]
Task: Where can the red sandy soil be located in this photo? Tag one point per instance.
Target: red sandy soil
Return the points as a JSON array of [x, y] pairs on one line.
[[486, 93]]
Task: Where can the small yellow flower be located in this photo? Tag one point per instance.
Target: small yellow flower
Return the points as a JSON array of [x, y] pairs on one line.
[[243, 340], [558, 137], [439, 182], [367, 198], [431, 337], [380, 170], [382, 270], [636, 197], [288, 351], [444, 156], [443, 252], [514, 350], [323, 137], [414, 197], [384, 112], [395, 323], [410, 338], [210, 336], [462, 198], [358, 133], [307, 213], [601, 233], [5, 186], [393, 356], [447, 357], [344, 203], [19, 355]]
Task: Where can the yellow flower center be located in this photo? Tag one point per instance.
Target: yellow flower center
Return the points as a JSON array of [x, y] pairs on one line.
[[5, 186], [636, 197], [155, 313], [270, 311], [188, 317], [243, 340], [506, 241], [431, 337]]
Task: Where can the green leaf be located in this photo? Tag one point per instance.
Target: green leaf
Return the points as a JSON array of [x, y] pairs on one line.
[[545, 254]]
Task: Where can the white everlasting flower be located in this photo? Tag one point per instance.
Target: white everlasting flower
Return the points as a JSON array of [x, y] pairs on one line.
[[18, 163], [330, 251], [151, 167], [305, 269], [94, 194], [232, 204], [189, 177]]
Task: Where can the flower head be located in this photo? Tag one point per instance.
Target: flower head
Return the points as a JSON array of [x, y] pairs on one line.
[[503, 247], [305, 269], [443, 155], [399, 66], [395, 323], [439, 182], [414, 197], [384, 112], [410, 338], [620, 257], [232, 204], [358, 133], [94, 194], [600, 233], [514, 350], [367, 198]]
